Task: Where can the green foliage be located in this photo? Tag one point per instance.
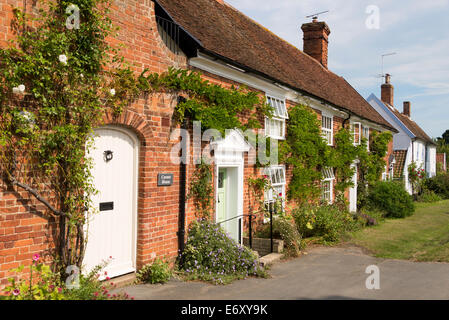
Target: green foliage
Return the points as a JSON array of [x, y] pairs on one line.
[[343, 156], [211, 255], [439, 185], [286, 230], [429, 197], [416, 177], [306, 151], [392, 199], [370, 217], [325, 221], [216, 107], [44, 284], [157, 272], [371, 164], [202, 190]]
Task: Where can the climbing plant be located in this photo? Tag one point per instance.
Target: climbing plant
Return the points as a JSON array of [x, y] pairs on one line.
[[57, 83], [372, 164], [306, 152], [201, 190]]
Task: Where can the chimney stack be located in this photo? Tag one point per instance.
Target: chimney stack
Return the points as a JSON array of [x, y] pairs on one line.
[[406, 111], [387, 91], [316, 40]]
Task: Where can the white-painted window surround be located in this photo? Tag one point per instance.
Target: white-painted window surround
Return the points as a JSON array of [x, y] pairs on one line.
[[327, 124], [276, 175], [356, 131], [366, 136], [275, 127], [328, 184]]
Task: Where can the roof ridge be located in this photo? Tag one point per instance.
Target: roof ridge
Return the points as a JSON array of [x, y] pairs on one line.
[[275, 35]]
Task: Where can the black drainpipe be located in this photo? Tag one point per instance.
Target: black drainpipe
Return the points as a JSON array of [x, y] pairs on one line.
[[346, 120], [182, 192]]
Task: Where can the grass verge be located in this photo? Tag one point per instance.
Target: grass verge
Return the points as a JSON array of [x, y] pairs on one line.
[[421, 237]]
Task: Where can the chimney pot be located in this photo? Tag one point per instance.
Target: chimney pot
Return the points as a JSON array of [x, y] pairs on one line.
[[406, 108], [316, 40], [387, 91]]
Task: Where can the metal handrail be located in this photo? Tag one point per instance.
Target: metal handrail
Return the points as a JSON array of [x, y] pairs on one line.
[[250, 231]]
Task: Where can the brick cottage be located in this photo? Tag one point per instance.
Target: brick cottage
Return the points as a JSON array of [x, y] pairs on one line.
[[143, 213]]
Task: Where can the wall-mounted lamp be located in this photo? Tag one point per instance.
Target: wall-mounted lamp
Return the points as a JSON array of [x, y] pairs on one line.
[[108, 155]]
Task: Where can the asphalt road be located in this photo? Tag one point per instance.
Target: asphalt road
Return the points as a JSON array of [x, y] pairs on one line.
[[324, 273]]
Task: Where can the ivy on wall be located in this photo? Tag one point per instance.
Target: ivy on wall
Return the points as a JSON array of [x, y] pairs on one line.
[[308, 154]]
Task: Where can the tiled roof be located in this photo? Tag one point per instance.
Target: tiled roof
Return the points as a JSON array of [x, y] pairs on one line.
[[412, 125], [400, 157], [227, 33]]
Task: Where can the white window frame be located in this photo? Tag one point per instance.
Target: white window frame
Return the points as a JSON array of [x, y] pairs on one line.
[[366, 135], [353, 132], [278, 119], [328, 179], [327, 133], [277, 178]]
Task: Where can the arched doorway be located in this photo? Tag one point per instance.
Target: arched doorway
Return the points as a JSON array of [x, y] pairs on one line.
[[112, 227]]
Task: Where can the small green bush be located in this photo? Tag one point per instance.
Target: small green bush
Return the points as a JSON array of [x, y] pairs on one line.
[[326, 221], [157, 272], [370, 217], [286, 230], [392, 199], [439, 185], [212, 255], [429, 197], [48, 285]]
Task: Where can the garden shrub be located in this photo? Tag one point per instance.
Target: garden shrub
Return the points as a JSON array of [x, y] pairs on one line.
[[157, 272], [45, 284], [212, 255], [392, 199], [325, 221], [439, 185], [429, 196], [286, 230], [370, 217]]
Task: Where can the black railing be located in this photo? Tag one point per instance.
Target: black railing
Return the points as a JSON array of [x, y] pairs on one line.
[[272, 209], [169, 32], [250, 227]]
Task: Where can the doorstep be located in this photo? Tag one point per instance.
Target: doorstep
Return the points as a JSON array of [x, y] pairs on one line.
[[125, 280], [269, 259]]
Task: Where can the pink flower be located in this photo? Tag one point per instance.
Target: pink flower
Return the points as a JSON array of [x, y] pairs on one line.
[[96, 294], [36, 257], [107, 278], [59, 290], [16, 292], [105, 273]]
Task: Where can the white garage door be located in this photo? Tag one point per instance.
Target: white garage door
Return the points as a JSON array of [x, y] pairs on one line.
[[112, 229]]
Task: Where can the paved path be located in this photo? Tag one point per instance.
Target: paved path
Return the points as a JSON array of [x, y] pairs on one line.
[[324, 273]]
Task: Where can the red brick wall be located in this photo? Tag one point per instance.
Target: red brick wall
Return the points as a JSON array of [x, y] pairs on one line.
[[442, 159]]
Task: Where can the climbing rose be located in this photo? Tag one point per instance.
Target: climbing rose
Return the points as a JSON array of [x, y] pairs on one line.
[[36, 257]]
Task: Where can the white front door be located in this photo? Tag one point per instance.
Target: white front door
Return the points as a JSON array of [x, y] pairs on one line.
[[353, 192], [111, 229]]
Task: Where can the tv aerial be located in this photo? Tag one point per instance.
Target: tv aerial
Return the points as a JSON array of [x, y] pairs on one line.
[[315, 15]]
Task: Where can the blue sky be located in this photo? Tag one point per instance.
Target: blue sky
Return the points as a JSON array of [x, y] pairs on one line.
[[418, 31]]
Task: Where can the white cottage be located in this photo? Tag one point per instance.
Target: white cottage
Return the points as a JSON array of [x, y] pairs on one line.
[[411, 144]]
